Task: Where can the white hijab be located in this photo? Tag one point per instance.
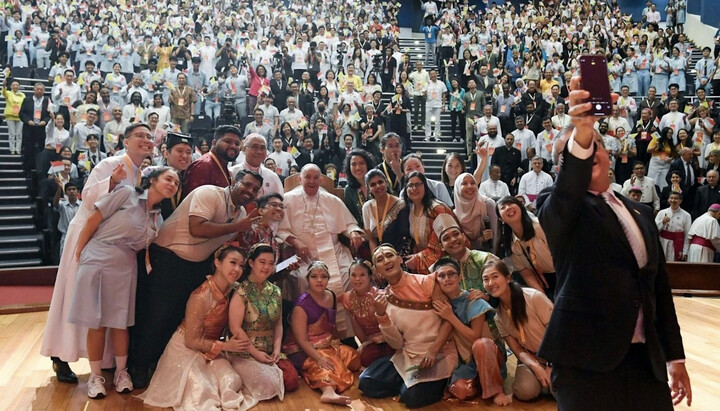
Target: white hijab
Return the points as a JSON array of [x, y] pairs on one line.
[[471, 213]]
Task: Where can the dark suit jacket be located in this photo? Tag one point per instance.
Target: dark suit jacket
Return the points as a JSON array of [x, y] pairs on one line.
[[679, 166], [509, 160], [535, 123], [527, 98], [304, 158], [280, 93], [486, 86], [705, 196], [27, 110], [599, 284]]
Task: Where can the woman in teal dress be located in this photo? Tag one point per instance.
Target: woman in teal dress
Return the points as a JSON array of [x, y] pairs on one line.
[[256, 314]]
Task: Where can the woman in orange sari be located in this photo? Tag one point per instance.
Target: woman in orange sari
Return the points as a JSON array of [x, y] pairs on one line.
[[313, 346]]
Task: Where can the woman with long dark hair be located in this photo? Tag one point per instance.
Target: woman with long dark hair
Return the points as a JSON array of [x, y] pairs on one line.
[[385, 216], [424, 208], [123, 223], [522, 318], [356, 165], [522, 239]]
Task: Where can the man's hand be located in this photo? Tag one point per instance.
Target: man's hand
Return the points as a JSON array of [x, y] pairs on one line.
[[679, 383], [380, 304]]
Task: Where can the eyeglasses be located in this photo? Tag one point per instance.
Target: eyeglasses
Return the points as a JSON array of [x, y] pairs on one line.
[[144, 136], [413, 185], [257, 147], [279, 206]]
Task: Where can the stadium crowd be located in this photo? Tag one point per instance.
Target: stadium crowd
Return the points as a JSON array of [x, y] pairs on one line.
[[173, 127]]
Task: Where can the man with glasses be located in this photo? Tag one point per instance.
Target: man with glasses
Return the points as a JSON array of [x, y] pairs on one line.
[[64, 342], [255, 155], [262, 230], [179, 260]]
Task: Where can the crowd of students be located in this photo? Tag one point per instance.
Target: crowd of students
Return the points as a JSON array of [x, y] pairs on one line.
[[449, 255]]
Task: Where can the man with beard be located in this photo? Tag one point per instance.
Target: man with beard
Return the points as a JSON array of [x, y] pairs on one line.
[[492, 141], [211, 168], [179, 259], [643, 132]]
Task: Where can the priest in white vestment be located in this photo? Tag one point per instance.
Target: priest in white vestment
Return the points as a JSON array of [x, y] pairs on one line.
[[673, 224], [255, 150], [704, 236], [314, 220]]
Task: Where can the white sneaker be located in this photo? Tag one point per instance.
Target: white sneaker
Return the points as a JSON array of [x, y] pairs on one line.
[[455, 140], [462, 140], [96, 389], [123, 382], [427, 139], [437, 138]]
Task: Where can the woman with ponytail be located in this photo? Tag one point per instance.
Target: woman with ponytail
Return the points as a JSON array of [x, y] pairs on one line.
[[123, 223], [522, 317]]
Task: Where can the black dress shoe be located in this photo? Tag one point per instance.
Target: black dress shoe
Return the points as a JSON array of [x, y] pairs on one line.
[[140, 377], [63, 372]]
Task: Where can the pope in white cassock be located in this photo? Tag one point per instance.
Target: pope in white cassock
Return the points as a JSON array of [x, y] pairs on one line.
[[704, 236], [313, 223]]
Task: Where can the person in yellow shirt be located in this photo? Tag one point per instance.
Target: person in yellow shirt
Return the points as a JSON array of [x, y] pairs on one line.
[[343, 79], [547, 82], [13, 100]]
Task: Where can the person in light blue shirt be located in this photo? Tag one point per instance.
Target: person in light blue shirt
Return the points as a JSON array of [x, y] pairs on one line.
[[430, 32]]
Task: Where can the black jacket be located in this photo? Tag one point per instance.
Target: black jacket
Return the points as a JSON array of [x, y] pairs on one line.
[[600, 287]]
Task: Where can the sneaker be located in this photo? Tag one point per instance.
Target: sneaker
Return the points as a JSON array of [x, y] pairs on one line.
[[96, 389], [455, 140], [123, 382], [437, 138], [462, 140], [427, 139]]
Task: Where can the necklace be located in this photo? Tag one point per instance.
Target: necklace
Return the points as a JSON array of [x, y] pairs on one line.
[[314, 213]]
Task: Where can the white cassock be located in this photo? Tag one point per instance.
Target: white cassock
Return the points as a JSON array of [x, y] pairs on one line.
[[704, 228], [317, 222], [271, 181], [494, 189], [679, 225], [492, 144], [62, 339], [532, 183]]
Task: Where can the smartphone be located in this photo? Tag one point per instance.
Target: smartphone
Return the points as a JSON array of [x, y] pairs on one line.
[[596, 80]]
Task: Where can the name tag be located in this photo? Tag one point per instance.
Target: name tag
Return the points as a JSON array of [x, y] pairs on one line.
[[181, 101]]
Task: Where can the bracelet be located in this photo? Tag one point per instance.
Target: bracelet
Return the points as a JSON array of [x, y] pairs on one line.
[[112, 181]]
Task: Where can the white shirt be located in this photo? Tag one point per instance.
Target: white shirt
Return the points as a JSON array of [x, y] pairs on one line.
[[523, 139], [531, 183], [494, 189], [271, 181], [435, 92], [482, 123], [544, 144], [647, 185], [560, 122], [281, 162]]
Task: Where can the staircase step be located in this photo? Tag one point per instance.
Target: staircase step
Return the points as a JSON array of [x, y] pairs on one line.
[[15, 217], [19, 250], [21, 263], [16, 208], [26, 240]]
